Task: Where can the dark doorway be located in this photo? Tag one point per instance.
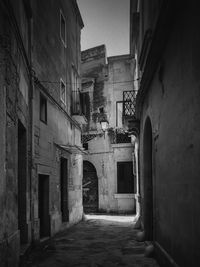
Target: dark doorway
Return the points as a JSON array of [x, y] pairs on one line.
[[148, 181], [90, 188], [64, 189], [125, 178], [43, 191], [22, 182]]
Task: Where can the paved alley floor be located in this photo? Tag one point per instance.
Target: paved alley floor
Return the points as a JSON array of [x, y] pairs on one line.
[[98, 241]]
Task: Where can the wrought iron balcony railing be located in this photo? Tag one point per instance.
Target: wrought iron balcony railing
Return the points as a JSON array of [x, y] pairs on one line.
[[119, 137], [122, 138]]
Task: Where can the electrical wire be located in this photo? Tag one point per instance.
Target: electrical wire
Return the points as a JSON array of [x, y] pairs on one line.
[[54, 82]]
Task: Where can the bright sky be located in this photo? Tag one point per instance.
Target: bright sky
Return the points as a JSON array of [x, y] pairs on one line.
[[106, 22]]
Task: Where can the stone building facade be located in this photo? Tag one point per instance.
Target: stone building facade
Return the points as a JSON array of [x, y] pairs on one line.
[[165, 42], [15, 166], [106, 82], [57, 136], [41, 154]]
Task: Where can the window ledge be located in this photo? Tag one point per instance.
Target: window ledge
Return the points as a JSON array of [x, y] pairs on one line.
[[124, 196], [122, 145]]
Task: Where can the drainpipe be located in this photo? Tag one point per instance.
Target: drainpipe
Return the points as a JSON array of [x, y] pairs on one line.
[[32, 121], [135, 143]]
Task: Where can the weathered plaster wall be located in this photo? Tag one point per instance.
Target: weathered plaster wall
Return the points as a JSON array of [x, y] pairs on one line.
[[3, 150], [149, 12], [52, 61], [75, 189], [94, 67], [48, 47], [14, 83], [93, 58], [58, 131], [173, 107]]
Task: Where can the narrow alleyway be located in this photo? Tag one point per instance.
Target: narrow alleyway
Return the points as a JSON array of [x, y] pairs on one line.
[[99, 241]]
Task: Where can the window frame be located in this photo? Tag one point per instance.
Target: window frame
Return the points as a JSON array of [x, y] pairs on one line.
[[119, 181], [65, 100], [43, 98], [64, 41], [75, 93]]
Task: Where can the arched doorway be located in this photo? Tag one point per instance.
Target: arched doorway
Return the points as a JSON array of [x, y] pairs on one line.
[[148, 181], [90, 188]]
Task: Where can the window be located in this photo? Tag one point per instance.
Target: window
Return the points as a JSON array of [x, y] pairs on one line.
[[62, 91], [129, 102], [43, 108], [125, 178], [85, 104], [101, 110], [75, 86], [62, 28], [75, 93], [85, 146]]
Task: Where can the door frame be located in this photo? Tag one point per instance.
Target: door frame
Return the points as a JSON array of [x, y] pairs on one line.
[[93, 170]]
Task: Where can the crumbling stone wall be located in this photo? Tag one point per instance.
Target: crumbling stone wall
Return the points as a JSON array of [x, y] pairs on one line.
[[94, 66], [14, 107]]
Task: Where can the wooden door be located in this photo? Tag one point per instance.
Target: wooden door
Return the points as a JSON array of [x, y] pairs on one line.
[[64, 189], [44, 205]]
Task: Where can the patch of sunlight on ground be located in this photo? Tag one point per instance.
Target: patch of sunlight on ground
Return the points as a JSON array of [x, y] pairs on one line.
[[113, 218]]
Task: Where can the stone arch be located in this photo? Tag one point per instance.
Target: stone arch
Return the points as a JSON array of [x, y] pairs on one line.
[[90, 188], [148, 180]]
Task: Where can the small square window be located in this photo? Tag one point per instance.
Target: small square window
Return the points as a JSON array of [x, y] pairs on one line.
[[62, 28], [43, 108], [85, 146], [101, 110], [62, 91]]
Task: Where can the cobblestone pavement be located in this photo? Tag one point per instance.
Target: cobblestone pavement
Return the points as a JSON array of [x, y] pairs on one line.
[[98, 241]]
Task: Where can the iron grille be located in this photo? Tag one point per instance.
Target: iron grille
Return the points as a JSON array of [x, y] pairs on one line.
[[129, 102], [122, 138]]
